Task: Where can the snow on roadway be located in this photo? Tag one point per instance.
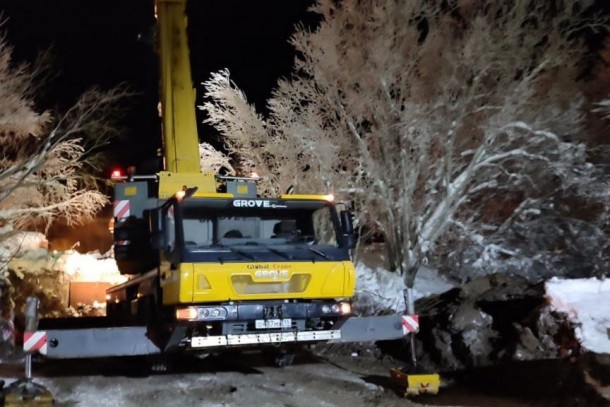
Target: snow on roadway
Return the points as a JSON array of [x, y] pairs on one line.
[[241, 382]]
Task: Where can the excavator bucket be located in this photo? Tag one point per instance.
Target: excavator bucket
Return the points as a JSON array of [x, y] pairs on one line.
[[416, 383]]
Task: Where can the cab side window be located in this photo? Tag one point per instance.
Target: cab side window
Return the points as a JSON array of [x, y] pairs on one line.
[[323, 227]]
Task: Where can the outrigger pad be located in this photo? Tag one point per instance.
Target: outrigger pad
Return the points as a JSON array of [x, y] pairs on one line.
[[416, 383], [26, 393]]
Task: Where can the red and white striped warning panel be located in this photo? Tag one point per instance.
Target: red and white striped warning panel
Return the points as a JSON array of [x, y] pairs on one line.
[[35, 341], [410, 323], [121, 208]]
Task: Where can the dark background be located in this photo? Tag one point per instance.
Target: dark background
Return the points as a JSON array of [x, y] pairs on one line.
[[107, 42]]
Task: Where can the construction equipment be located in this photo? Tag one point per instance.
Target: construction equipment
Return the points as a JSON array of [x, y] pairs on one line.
[[25, 392], [414, 378], [212, 265], [416, 383]]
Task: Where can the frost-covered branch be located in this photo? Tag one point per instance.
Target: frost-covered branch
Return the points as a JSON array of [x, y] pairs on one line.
[[46, 159]]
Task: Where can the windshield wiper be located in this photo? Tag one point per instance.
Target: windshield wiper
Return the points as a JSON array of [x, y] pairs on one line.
[[319, 253], [279, 253], [243, 253]]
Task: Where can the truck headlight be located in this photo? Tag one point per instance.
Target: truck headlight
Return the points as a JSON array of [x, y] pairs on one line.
[[346, 308]]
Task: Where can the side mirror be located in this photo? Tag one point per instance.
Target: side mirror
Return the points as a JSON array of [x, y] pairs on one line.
[[347, 226], [347, 222]]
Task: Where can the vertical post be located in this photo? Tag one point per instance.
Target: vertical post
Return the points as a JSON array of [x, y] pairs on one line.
[[411, 311], [25, 392], [28, 366], [31, 325]]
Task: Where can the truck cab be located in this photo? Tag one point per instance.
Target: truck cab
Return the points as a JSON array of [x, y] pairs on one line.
[[235, 269]]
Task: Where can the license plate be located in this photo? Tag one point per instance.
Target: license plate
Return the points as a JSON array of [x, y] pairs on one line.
[[273, 323]]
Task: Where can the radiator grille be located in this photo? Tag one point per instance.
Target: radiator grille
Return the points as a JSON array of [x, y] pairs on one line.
[[243, 284]]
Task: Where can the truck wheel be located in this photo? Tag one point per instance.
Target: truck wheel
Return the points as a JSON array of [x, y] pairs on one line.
[[283, 359], [159, 364]]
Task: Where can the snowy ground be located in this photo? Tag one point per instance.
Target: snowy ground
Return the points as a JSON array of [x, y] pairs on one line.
[[232, 380], [330, 378], [587, 302]]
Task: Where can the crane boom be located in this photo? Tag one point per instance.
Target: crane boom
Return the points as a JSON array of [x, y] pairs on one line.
[[180, 139]]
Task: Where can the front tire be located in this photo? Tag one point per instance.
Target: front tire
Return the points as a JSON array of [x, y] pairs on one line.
[[283, 358]]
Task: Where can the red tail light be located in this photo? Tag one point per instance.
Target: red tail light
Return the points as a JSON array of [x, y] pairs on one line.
[[117, 174]]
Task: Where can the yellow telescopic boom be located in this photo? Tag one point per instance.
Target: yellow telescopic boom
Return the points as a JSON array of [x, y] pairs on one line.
[[181, 143]]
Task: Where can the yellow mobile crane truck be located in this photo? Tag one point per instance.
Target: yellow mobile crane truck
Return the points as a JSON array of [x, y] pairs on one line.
[[212, 264]]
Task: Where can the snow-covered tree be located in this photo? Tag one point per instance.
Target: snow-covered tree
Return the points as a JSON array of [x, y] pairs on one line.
[[440, 119], [603, 108], [248, 137], [46, 159], [214, 161]]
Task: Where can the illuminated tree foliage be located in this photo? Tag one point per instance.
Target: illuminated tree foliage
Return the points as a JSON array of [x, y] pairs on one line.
[[455, 127], [45, 158], [214, 161]]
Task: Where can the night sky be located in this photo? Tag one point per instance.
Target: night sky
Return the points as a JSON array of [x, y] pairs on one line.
[[107, 42]]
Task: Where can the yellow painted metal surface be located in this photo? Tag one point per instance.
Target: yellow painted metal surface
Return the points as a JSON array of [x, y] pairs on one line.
[[26, 393], [417, 384], [422, 384], [178, 285], [214, 195], [181, 142], [171, 182], [20, 400], [242, 189], [334, 279], [349, 282], [131, 191], [206, 282], [312, 197]]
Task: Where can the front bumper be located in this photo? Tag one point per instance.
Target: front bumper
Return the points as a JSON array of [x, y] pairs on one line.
[[353, 329]]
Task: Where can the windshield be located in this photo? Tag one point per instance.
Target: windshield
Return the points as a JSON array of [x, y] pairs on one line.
[[205, 226], [254, 230]]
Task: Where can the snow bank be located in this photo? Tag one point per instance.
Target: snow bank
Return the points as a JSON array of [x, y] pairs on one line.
[[20, 243], [586, 302], [379, 289]]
